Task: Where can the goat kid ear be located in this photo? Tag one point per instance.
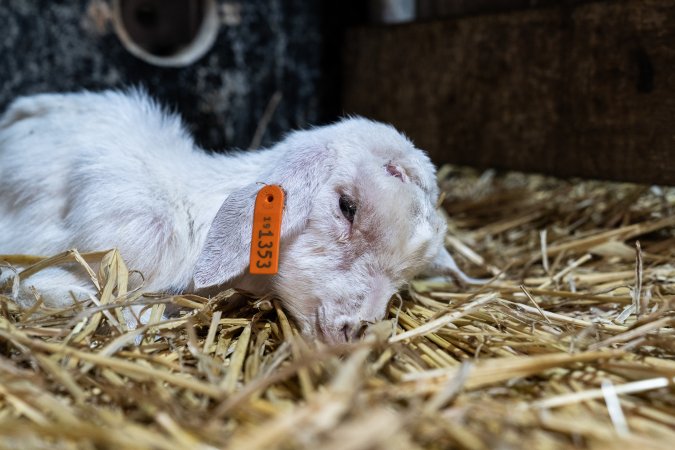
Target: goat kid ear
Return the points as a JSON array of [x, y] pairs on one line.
[[228, 242], [300, 171], [444, 265]]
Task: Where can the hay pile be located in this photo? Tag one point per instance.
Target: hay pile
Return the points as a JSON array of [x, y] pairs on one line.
[[571, 346]]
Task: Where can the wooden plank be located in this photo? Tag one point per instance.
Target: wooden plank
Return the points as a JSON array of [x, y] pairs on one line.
[[399, 11], [430, 9], [585, 90]]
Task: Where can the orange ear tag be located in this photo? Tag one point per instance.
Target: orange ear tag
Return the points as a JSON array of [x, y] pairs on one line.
[[269, 205]]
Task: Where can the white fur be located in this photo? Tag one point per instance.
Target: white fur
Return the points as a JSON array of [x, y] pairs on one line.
[[94, 171]]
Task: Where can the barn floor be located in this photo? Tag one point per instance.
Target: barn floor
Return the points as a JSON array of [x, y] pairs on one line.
[[570, 346]]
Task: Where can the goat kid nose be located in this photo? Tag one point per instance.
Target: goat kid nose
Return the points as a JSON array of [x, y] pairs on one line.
[[353, 330], [342, 331]]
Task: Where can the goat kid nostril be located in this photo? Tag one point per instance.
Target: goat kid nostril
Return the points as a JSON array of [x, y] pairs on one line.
[[351, 331], [363, 327], [346, 332]]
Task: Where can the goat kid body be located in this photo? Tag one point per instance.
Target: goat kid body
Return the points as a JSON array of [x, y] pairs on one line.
[[94, 171], [72, 178]]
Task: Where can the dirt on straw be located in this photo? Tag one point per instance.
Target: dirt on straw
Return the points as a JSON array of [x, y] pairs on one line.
[[571, 345]]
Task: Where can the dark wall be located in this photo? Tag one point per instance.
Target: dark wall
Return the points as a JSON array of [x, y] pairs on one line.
[[275, 46], [571, 91]]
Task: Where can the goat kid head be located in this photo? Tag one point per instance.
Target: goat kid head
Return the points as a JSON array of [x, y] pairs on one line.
[[360, 220]]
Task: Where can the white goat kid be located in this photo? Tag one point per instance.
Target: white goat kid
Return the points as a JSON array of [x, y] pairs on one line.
[[100, 170]]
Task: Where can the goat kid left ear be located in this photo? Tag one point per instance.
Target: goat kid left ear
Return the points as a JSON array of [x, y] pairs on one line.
[[444, 265], [300, 171]]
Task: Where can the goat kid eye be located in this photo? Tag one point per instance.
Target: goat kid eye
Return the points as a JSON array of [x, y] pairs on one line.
[[348, 208]]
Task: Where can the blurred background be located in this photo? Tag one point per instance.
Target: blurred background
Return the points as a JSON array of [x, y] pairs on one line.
[[567, 87], [224, 65]]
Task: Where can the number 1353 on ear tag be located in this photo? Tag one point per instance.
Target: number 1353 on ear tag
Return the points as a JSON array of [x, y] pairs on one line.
[[269, 205]]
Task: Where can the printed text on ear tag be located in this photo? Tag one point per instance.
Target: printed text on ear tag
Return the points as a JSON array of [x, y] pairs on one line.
[[269, 205]]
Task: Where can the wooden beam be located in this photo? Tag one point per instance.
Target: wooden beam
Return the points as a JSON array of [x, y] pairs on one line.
[[434, 9], [585, 90]]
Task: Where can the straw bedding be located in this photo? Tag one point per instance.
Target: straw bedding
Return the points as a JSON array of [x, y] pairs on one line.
[[570, 346]]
